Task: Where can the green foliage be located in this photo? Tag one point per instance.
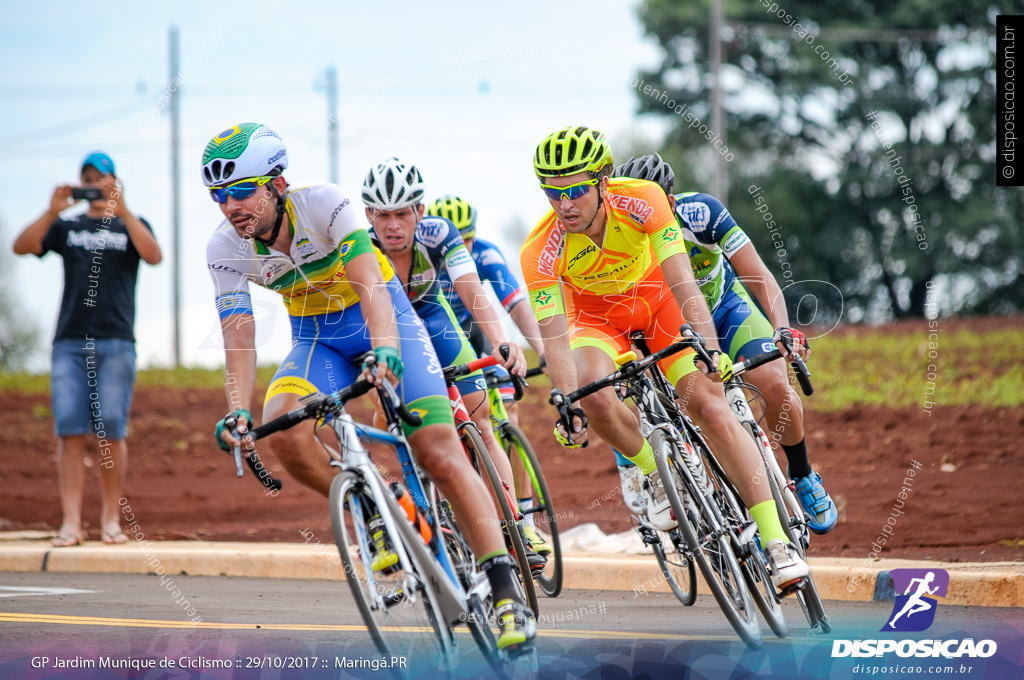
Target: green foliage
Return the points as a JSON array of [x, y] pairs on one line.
[[177, 378], [870, 366], [19, 336], [854, 196]]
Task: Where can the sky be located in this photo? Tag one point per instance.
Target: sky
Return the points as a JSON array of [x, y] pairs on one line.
[[463, 90]]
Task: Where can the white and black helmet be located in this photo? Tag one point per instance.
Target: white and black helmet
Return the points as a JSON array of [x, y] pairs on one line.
[[246, 150], [651, 168], [392, 185]]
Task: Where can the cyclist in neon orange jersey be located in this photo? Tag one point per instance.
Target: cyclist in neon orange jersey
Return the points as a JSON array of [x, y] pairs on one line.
[[608, 259]]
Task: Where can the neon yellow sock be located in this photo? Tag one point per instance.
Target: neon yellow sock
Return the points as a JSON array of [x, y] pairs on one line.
[[645, 459], [767, 518]]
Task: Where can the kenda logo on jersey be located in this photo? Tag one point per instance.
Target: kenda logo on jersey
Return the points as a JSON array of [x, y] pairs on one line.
[[914, 611]]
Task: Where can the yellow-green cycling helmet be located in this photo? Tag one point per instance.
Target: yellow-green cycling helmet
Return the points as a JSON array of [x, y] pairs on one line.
[[572, 150], [458, 212]]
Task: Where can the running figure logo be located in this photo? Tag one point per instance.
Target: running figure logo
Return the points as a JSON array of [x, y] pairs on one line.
[[914, 611]]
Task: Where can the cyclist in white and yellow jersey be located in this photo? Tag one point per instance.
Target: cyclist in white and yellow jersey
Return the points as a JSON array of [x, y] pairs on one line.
[[343, 301]]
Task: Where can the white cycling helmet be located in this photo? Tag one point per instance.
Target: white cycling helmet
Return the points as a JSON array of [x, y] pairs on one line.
[[392, 185], [246, 150]]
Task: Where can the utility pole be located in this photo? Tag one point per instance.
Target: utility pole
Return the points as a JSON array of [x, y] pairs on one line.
[[332, 123], [720, 179], [175, 109]]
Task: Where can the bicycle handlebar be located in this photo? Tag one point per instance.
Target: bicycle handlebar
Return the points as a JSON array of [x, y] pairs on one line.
[[457, 371], [691, 340]]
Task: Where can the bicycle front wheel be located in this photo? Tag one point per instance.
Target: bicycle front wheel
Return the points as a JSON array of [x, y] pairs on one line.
[[481, 459], [748, 551], [398, 605], [515, 443], [708, 541], [670, 550]]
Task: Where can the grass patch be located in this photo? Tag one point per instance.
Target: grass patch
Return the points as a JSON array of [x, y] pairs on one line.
[[961, 367], [862, 365]]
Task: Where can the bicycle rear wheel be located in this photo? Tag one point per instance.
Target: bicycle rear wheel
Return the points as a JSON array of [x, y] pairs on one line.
[[709, 542], [514, 442], [397, 604], [481, 459], [791, 514]]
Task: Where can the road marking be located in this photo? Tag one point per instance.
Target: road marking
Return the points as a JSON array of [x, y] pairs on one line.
[[17, 617], [27, 591]]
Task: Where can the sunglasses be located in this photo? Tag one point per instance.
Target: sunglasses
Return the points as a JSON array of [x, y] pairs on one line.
[[238, 190], [571, 192]]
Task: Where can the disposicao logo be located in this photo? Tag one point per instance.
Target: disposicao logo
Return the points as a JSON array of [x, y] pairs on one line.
[[914, 611]]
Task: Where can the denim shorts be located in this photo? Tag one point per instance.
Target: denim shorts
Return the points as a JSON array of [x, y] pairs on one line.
[[92, 382]]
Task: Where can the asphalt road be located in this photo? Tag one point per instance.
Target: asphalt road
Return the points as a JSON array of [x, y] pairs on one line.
[[136, 626]]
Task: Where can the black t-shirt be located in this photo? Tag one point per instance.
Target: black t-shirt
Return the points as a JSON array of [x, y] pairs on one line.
[[101, 267]]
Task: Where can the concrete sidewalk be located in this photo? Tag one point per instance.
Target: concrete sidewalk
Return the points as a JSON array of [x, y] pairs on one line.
[[986, 584]]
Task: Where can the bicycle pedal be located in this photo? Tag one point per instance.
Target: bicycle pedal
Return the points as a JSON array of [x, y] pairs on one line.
[[793, 587]]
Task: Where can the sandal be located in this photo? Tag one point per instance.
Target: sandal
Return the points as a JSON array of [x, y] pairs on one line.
[[67, 541], [114, 539]]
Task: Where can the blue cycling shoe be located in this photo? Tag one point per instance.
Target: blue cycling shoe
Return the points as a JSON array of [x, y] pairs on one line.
[[817, 503]]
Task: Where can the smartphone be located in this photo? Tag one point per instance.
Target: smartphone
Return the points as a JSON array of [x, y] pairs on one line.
[[87, 193]]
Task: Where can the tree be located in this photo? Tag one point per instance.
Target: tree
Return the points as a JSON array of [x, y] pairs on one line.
[[18, 336], [870, 126]]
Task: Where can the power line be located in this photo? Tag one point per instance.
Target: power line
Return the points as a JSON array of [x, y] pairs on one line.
[[876, 35], [70, 126]]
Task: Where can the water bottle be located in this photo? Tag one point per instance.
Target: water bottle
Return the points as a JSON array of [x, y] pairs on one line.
[[413, 513]]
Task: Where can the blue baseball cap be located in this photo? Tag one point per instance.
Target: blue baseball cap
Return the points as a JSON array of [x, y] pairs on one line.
[[100, 161]]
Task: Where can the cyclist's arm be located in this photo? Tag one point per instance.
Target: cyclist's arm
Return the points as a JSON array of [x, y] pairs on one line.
[[375, 301], [524, 319], [239, 331], [754, 274], [679, 277], [554, 330], [471, 291]]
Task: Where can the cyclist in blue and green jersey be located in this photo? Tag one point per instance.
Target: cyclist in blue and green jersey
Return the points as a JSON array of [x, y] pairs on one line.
[[492, 267], [422, 249], [343, 301], [725, 264]]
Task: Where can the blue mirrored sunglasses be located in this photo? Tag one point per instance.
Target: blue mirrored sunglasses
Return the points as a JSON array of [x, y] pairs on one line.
[[239, 190], [571, 192]]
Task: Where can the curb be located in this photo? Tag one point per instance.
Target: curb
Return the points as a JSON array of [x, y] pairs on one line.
[[978, 584]]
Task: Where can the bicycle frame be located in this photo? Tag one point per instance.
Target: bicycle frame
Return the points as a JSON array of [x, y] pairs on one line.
[[452, 599]]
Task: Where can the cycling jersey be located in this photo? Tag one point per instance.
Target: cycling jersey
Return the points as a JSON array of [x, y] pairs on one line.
[[329, 331], [492, 267], [712, 236], [615, 287], [641, 232], [438, 249], [326, 235]]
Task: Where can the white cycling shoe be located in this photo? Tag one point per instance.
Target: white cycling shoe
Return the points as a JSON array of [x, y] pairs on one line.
[[659, 511], [787, 566], [632, 482]]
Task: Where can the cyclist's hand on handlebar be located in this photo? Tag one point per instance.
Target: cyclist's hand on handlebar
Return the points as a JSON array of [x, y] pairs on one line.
[[235, 423], [721, 365], [516, 361], [579, 434], [791, 341], [382, 364]]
